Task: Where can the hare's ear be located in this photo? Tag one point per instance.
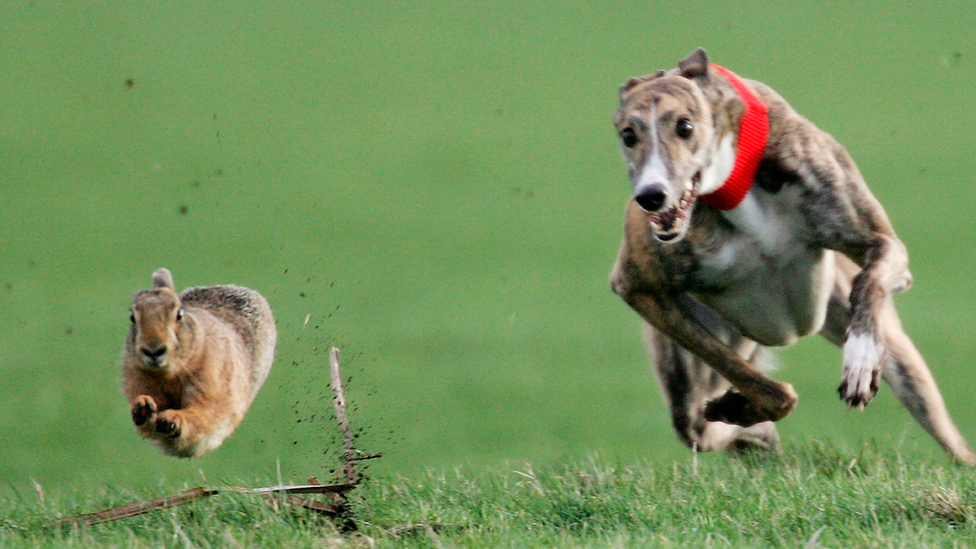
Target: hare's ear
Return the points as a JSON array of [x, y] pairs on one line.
[[162, 279], [639, 80], [695, 65]]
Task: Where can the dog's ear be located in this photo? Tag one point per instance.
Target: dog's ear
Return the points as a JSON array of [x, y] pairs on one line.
[[639, 80], [695, 65]]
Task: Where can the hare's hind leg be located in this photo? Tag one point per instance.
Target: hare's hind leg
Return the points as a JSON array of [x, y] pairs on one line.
[[688, 384]]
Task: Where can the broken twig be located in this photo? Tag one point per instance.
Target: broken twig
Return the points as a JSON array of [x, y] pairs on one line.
[[349, 455], [140, 508]]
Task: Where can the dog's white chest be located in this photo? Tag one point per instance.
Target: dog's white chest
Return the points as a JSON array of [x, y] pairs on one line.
[[773, 226], [768, 265]]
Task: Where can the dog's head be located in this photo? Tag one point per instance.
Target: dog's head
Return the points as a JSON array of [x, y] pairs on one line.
[[669, 143]]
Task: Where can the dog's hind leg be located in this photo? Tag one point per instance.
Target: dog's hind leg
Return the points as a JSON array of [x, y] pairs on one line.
[[912, 382], [904, 370], [688, 384]]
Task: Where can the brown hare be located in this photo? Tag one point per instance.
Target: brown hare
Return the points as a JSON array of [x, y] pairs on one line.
[[193, 362]]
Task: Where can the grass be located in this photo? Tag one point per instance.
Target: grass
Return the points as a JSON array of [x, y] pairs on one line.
[[438, 190], [871, 497]]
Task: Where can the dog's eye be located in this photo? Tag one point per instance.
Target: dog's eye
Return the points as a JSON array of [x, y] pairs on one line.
[[179, 314], [683, 128], [629, 137]]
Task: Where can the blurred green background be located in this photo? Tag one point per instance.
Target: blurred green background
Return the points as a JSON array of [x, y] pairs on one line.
[[437, 188]]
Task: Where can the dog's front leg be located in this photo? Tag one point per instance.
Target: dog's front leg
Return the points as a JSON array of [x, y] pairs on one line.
[[844, 216], [884, 263], [758, 399]]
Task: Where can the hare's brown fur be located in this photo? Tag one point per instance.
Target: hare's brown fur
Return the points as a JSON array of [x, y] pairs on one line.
[[193, 362]]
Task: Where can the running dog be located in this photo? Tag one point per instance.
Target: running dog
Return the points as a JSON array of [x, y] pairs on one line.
[[750, 228]]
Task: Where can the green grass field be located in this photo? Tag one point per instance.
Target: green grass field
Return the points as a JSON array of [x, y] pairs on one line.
[[437, 190], [813, 496]]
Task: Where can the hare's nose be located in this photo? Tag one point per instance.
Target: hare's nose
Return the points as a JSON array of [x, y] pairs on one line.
[[154, 354]]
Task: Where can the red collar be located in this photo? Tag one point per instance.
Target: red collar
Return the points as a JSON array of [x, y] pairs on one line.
[[753, 132]]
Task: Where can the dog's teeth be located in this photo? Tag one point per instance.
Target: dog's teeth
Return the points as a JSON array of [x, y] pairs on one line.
[[678, 221], [689, 186], [656, 225]]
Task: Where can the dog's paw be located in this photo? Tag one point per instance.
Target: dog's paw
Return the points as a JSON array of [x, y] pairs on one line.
[[143, 409], [733, 407], [736, 409], [864, 357], [169, 423]]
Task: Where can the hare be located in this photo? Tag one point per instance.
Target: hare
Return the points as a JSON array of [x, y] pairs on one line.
[[193, 362]]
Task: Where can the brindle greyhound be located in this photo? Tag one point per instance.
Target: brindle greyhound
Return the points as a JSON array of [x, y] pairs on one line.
[[750, 227]]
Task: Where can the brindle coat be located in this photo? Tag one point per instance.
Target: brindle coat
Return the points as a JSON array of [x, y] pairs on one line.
[[809, 250]]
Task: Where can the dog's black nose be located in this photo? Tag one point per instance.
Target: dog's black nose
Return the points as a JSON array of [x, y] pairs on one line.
[[651, 198]]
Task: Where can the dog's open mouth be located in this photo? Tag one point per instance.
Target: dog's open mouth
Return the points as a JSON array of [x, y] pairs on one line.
[[670, 223]]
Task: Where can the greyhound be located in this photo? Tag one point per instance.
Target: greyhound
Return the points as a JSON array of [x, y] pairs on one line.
[[750, 228]]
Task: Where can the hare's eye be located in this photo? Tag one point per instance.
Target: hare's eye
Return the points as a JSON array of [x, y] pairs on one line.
[[179, 314], [132, 317]]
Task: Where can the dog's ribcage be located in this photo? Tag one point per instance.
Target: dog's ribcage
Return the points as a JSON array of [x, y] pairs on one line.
[[766, 264]]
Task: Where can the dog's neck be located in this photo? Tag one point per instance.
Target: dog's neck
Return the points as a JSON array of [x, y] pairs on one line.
[[753, 132]]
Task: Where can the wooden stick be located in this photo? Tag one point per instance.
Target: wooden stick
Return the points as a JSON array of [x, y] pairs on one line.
[[317, 506], [297, 489], [340, 407], [140, 508], [370, 456], [194, 494]]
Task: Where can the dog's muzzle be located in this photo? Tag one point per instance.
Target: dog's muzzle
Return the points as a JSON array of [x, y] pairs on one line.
[[668, 222]]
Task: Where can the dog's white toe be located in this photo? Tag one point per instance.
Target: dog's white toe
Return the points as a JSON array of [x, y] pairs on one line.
[[863, 356]]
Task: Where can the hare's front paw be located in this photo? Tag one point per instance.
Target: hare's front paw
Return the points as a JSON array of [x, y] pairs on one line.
[[169, 423], [143, 409]]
